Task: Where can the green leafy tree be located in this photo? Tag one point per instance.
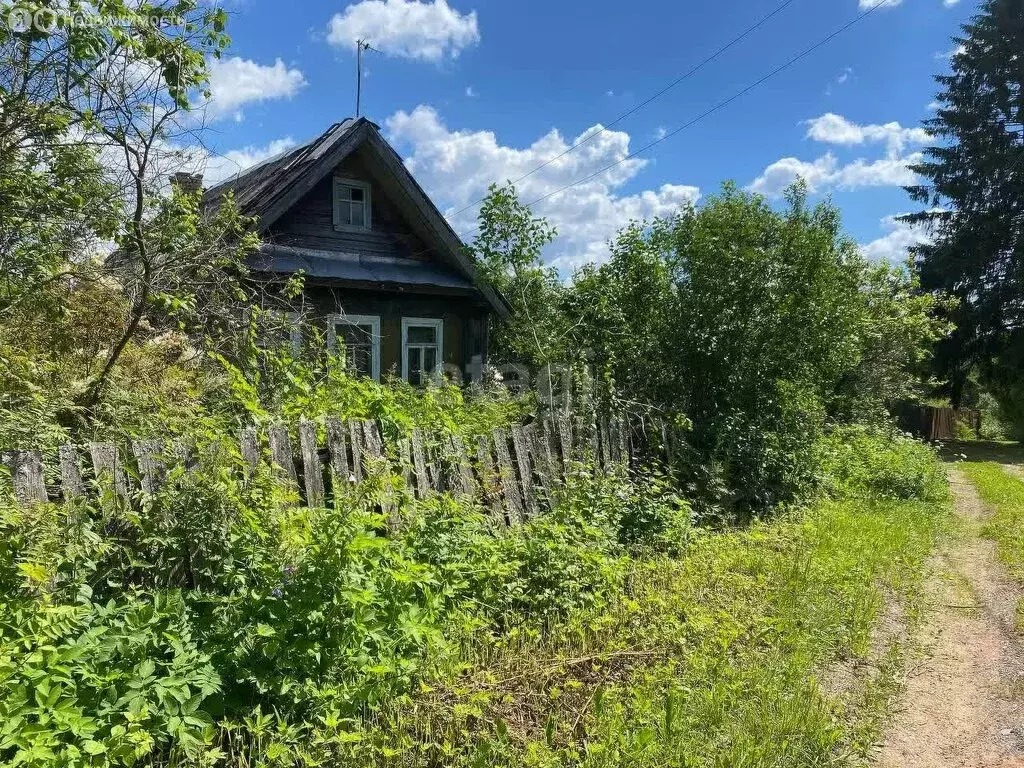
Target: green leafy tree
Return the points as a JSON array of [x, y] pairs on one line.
[[974, 193], [508, 247], [759, 326]]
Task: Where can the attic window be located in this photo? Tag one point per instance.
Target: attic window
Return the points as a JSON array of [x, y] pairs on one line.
[[351, 204]]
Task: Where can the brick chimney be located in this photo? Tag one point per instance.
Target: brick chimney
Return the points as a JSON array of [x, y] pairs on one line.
[[187, 182]]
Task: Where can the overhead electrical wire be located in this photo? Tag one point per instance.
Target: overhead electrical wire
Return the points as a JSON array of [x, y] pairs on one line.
[[636, 108], [720, 105]]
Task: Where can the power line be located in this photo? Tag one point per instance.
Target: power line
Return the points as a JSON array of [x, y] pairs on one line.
[[720, 105], [692, 71]]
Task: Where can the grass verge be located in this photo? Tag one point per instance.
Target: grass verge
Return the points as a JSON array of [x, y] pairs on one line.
[[1004, 492], [766, 646]]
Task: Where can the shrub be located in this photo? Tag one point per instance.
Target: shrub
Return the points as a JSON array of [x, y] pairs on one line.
[[867, 462]]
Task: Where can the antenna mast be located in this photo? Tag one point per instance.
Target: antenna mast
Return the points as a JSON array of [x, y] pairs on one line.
[[361, 45]]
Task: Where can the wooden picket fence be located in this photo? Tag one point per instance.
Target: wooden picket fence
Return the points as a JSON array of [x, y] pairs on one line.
[[514, 471]]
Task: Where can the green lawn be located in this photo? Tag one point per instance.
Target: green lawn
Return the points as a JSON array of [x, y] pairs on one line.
[[755, 649]]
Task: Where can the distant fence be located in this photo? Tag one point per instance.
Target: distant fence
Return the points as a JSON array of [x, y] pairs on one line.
[[935, 423], [514, 471]]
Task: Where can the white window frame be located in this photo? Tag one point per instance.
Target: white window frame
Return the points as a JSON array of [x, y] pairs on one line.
[[340, 181], [290, 320], [371, 320], [422, 322]]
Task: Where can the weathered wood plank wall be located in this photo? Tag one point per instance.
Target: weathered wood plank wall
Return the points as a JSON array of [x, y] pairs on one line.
[[514, 472]]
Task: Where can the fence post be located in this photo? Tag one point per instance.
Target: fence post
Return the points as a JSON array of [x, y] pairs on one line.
[[27, 475]]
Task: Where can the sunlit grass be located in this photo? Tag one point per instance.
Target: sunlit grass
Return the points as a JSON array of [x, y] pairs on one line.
[[1004, 492]]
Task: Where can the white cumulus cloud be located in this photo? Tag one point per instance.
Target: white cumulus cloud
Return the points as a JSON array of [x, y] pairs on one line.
[[866, 4], [414, 30], [456, 168], [236, 82], [831, 128], [894, 245], [826, 173]]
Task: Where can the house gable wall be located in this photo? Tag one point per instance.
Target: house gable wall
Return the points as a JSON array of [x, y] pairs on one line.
[[310, 222]]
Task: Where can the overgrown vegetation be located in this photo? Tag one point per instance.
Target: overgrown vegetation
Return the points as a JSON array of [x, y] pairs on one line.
[[221, 626], [672, 615]]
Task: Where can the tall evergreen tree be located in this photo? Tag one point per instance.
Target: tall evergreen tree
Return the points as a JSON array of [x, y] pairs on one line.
[[974, 193]]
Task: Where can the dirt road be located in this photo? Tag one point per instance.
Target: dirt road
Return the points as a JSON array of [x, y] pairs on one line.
[[964, 700]]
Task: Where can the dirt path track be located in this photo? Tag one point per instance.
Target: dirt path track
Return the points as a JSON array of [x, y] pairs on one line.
[[964, 701]]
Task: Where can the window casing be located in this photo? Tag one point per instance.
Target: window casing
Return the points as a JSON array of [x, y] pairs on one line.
[[351, 204], [360, 336], [281, 327], [422, 349]]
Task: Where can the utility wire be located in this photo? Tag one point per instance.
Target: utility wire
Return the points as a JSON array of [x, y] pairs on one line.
[[720, 105], [692, 71]]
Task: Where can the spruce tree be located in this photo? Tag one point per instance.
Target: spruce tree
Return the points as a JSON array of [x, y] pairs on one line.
[[974, 193]]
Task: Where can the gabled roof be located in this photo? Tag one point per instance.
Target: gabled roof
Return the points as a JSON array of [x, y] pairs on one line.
[[266, 191]]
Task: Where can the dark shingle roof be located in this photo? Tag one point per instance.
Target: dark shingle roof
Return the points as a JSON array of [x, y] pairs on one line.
[[266, 190], [258, 186]]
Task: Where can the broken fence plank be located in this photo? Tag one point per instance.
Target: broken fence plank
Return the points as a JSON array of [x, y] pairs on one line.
[[565, 442], [250, 448], [107, 468], [419, 464], [71, 473], [281, 454], [312, 469], [338, 450], [489, 480], [465, 482], [26, 469], [522, 449], [542, 458], [507, 477], [149, 456], [355, 437]]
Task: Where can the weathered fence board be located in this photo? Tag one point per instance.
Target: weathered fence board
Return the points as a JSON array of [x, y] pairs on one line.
[[108, 470], [514, 472], [26, 468], [281, 454], [312, 467], [71, 473]]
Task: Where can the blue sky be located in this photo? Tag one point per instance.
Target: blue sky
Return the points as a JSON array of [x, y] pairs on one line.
[[475, 91]]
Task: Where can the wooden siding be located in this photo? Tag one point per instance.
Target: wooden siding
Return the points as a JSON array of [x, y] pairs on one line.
[[465, 320], [310, 222]]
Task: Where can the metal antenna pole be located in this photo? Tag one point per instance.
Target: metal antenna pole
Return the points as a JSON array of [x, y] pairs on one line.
[[359, 75]]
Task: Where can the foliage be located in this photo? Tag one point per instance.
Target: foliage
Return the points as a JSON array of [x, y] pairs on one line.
[[757, 324], [973, 193], [873, 463], [218, 595], [508, 249]]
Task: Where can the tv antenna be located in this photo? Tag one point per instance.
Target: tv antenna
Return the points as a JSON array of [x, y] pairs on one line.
[[361, 45]]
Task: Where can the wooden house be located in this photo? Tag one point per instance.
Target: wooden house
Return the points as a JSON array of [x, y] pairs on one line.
[[384, 272]]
